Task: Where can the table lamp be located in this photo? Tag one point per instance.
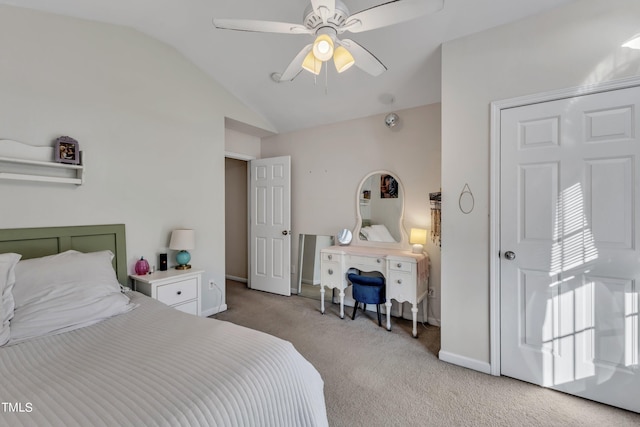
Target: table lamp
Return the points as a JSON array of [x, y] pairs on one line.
[[182, 240], [418, 238]]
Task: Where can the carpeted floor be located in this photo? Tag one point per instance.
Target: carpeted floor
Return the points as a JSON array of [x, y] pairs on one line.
[[378, 378]]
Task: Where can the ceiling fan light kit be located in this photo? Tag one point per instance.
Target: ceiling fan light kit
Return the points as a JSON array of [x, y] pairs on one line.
[[325, 20], [342, 59], [312, 64], [323, 47]]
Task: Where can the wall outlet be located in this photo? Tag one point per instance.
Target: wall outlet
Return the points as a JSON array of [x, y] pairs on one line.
[[212, 285], [431, 293]]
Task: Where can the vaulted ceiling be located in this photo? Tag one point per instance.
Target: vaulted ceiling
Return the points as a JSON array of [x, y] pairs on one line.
[[243, 62]]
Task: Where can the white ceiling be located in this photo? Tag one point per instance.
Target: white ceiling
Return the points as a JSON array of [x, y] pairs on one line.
[[243, 61]]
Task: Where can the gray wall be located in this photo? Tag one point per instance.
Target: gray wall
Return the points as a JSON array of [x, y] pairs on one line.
[[149, 122], [328, 163], [574, 45]]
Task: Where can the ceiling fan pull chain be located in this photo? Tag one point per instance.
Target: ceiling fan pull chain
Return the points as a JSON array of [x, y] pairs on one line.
[[326, 80]]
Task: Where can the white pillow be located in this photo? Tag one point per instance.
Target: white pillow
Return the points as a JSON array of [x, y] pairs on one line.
[[62, 292], [7, 280], [366, 232], [377, 233], [382, 233]]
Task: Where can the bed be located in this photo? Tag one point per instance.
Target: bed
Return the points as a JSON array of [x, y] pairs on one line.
[[150, 364]]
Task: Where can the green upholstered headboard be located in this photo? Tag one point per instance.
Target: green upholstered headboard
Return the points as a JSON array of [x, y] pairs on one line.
[[38, 242]]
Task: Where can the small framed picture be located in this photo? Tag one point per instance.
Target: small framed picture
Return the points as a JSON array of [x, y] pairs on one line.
[[67, 150], [388, 187]]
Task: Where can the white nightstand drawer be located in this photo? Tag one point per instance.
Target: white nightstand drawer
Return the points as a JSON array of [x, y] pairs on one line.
[[177, 292], [177, 288], [188, 307]]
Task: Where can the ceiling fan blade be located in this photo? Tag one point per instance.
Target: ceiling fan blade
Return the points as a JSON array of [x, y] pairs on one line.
[[391, 13], [324, 8], [295, 66], [260, 26], [365, 60]]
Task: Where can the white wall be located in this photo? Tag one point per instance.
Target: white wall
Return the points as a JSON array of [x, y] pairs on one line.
[[149, 122], [241, 143], [328, 163], [574, 45]]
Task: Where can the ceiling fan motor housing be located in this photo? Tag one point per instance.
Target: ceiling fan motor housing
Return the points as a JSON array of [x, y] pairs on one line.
[[313, 21]]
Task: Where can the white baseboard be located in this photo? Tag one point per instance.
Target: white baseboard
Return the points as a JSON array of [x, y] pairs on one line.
[[433, 321], [214, 310], [237, 279], [465, 362]]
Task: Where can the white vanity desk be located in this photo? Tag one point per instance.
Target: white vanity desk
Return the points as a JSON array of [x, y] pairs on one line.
[[406, 274]]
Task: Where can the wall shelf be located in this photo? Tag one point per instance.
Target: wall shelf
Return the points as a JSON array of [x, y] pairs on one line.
[[22, 162]]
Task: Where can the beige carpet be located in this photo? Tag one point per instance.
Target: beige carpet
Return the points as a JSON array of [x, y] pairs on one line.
[[378, 378]]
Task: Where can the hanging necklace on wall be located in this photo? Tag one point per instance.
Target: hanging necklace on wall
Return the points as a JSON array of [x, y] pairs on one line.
[[466, 201]]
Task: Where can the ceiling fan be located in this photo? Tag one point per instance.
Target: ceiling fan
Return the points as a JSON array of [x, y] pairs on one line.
[[325, 20]]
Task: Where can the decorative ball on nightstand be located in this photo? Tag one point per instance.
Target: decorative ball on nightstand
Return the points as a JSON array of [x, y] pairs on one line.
[[183, 258], [142, 266]]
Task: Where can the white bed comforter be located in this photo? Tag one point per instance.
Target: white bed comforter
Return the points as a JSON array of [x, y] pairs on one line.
[[156, 366]]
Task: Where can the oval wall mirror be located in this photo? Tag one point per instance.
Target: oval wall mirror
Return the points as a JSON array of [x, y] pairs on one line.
[[380, 210]]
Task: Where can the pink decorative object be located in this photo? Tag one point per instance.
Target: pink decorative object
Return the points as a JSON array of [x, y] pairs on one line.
[[142, 266]]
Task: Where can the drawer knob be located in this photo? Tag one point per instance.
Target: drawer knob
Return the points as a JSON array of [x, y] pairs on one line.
[[179, 292], [330, 271], [399, 281], [378, 260], [330, 257], [399, 265]]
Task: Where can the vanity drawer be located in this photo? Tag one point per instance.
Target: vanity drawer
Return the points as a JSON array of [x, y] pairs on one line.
[[401, 286], [331, 274], [376, 263], [401, 266], [328, 256], [177, 292]]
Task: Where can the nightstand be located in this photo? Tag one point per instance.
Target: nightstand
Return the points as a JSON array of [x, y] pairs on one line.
[[179, 289]]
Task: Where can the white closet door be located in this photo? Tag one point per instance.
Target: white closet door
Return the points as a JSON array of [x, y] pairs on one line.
[[570, 226]]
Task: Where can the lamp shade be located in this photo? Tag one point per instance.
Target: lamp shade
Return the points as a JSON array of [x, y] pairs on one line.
[[182, 240], [342, 59], [418, 235], [418, 238], [311, 64]]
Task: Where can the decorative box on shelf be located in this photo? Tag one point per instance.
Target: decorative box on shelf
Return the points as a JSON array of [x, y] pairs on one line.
[[179, 289], [23, 162]]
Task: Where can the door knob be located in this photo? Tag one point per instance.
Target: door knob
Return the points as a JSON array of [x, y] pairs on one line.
[[285, 232], [510, 255]]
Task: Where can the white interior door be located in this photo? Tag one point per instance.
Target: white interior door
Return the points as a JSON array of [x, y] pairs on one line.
[[570, 215], [270, 225]]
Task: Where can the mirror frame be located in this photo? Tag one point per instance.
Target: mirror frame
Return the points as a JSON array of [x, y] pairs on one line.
[[404, 238], [316, 260]]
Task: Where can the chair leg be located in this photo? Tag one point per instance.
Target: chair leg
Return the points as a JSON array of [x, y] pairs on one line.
[[378, 310], [355, 308]]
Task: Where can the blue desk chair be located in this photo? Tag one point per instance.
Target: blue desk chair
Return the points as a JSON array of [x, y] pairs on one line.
[[367, 290]]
